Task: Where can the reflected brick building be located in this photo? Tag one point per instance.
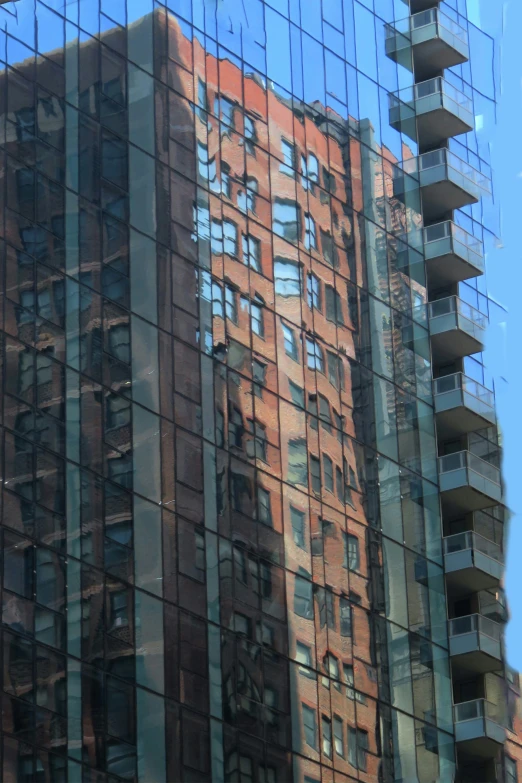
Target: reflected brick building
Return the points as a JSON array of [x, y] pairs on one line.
[[222, 540]]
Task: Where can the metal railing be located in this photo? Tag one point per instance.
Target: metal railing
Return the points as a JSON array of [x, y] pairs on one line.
[[448, 159], [436, 86], [460, 542], [450, 230], [452, 304], [423, 19], [475, 622], [458, 381], [479, 708], [465, 459], [438, 17]]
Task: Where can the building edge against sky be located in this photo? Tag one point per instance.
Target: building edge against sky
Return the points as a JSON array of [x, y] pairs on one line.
[[252, 511]]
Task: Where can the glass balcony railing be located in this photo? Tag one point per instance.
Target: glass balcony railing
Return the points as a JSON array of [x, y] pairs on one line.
[[470, 540], [455, 99], [438, 17], [479, 708], [432, 16], [452, 304], [463, 243], [458, 381], [451, 163], [474, 623], [465, 459]]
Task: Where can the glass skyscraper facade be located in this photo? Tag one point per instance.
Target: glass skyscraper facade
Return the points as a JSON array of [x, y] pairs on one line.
[[252, 510]]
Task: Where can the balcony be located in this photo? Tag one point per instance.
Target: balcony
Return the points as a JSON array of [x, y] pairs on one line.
[[479, 727], [468, 483], [446, 181], [475, 645], [456, 329], [441, 110], [452, 255], [472, 563], [436, 41], [462, 405]]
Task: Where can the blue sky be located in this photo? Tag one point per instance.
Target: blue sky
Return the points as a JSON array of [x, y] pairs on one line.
[[504, 346]]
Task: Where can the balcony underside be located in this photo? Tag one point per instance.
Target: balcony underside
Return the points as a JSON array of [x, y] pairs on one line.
[[436, 126], [464, 490], [443, 193], [422, 5], [433, 53], [456, 416], [475, 653], [450, 268], [470, 571], [480, 737], [450, 344]]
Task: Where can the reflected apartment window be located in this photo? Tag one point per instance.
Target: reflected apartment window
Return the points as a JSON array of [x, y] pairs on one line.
[[297, 394], [310, 240], [290, 342], [303, 656], [250, 135], [351, 552], [288, 150], [230, 237], [309, 725], [315, 474], [252, 252], [285, 222], [297, 466], [345, 614], [511, 770], [313, 291], [328, 473], [357, 748], [303, 604], [338, 736], [264, 508], [314, 355], [287, 277], [256, 319], [297, 519], [231, 303], [326, 727]]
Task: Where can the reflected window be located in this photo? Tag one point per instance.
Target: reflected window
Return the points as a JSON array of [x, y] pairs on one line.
[[297, 394], [334, 308], [310, 240], [287, 277], [226, 114], [230, 237], [328, 473], [345, 614], [251, 194], [313, 290], [118, 411], [511, 770], [256, 319], [288, 150], [339, 483], [297, 519], [203, 161], [309, 725], [286, 219], [357, 748], [259, 377], [315, 474], [297, 467], [313, 411], [250, 135], [303, 605], [328, 249], [25, 124], [119, 609], [119, 342], [202, 100], [351, 552], [264, 508], [314, 355], [324, 413], [290, 342], [349, 680], [303, 655], [338, 736], [252, 252], [326, 726], [231, 303]]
